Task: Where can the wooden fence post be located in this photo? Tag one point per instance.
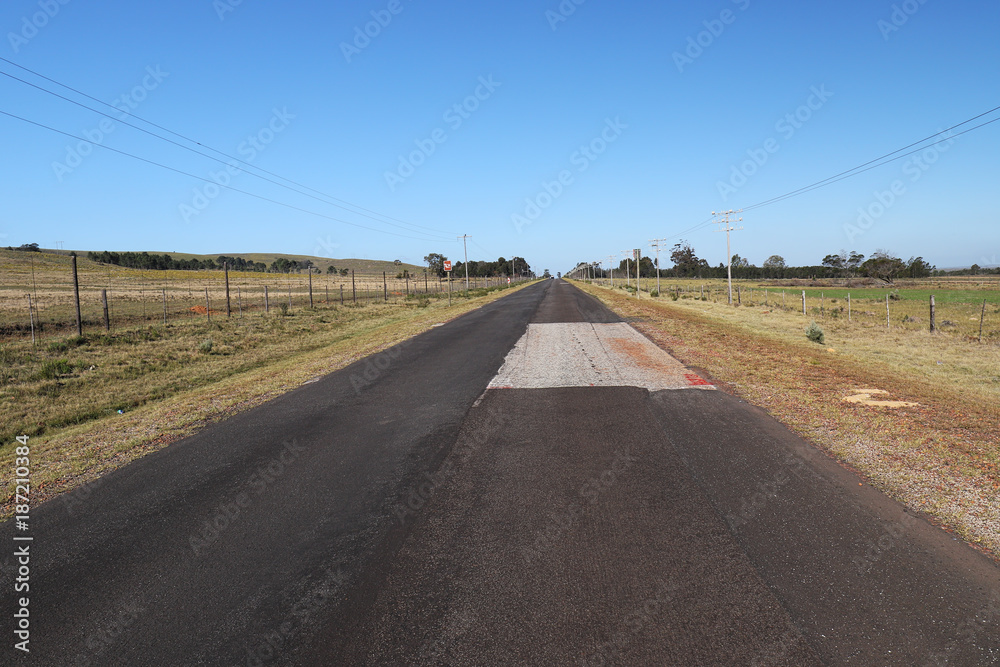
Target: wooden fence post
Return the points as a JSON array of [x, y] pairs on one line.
[[104, 303], [848, 306], [267, 305], [803, 302], [31, 319], [310, 288], [208, 306], [385, 288], [982, 316], [886, 311], [229, 308], [76, 297], [354, 289], [932, 314], [164, 294]]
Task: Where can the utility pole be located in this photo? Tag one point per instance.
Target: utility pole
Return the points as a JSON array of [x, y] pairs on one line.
[[628, 270], [466, 246], [728, 217], [611, 263], [656, 244]]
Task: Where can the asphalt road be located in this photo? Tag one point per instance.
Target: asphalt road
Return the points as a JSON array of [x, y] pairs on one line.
[[397, 512]]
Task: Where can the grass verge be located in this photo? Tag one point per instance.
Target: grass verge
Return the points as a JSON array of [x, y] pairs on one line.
[[941, 456], [173, 400]]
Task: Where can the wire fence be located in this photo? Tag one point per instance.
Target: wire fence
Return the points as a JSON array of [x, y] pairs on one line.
[[969, 309], [45, 306]]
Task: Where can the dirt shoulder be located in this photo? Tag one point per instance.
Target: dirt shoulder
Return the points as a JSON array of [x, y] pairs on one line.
[[940, 456]]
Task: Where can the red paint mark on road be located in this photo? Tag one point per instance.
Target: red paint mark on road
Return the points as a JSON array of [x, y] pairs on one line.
[[695, 381]]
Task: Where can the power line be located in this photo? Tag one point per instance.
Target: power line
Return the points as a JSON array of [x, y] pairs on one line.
[[201, 178], [861, 168], [327, 199]]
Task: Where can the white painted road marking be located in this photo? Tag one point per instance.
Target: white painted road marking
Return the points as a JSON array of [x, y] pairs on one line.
[[582, 354]]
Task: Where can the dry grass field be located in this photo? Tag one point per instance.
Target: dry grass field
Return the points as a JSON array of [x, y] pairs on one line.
[[939, 453], [92, 403]]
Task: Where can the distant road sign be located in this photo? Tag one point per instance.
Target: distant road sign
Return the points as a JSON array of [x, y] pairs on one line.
[[447, 265]]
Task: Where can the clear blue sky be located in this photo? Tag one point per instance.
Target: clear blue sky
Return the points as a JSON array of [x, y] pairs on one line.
[[673, 128]]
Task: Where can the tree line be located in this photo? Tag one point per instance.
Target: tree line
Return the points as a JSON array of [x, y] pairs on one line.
[[883, 265], [164, 262], [483, 269]]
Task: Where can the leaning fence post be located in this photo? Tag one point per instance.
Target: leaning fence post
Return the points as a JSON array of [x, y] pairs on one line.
[[76, 298], [31, 319], [104, 303], [982, 315]]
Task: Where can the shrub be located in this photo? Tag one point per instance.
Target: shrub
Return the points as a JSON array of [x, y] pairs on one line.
[[283, 307], [814, 332], [58, 346], [674, 296], [205, 346], [655, 293], [53, 369]]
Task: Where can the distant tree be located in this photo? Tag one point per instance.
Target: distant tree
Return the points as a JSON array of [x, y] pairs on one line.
[[975, 269], [331, 269], [739, 262], [28, 247], [835, 261], [854, 261], [686, 262], [344, 272], [435, 264], [883, 266], [397, 262], [774, 262], [546, 274], [918, 268]]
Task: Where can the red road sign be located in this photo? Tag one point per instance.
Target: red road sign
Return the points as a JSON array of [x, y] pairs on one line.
[[447, 265]]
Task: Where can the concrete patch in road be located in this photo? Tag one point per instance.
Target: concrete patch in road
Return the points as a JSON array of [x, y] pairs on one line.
[[584, 354]]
